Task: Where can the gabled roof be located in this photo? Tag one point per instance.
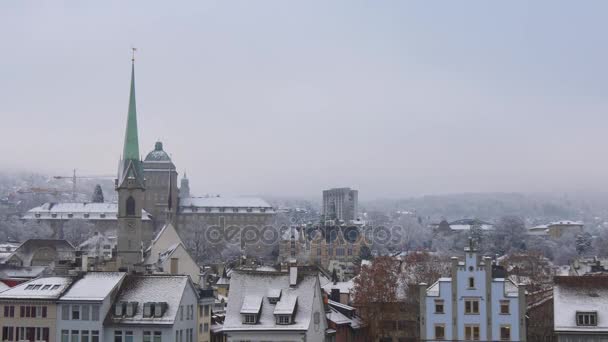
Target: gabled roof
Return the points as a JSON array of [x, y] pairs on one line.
[[251, 284], [40, 288], [94, 286]]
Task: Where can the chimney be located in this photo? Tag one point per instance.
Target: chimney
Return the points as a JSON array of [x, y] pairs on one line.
[[454, 267], [293, 276], [85, 263]]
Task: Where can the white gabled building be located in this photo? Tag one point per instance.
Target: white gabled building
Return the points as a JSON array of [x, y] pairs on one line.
[[472, 305], [275, 306], [580, 304], [82, 308]]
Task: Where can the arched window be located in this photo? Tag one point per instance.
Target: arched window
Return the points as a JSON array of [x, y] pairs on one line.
[[130, 206]]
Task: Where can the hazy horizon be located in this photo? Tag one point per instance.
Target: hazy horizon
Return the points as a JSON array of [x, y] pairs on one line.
[[287, 99]]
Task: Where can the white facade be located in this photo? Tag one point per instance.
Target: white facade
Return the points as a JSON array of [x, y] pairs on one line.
[[473, 307]]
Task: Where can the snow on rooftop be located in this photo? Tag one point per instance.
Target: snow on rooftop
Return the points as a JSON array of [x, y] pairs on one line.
[[251, 304], [94, 286], [286, 305], [143, 289], [77, 210], [273, 293], [250, 283], [40, 288], [344, 286], [249, 202]]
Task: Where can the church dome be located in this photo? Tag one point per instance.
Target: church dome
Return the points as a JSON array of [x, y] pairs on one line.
[[158, 154]]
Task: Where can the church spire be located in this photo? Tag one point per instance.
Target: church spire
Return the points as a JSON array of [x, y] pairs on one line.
[[131, 147]]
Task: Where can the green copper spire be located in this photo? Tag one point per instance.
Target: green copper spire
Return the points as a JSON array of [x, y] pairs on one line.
[[131, 148]]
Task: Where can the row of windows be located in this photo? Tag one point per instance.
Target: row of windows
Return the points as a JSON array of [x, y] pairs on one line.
[[80, 312], [79, 335], [471, 307], [27, 311], [471, 332], [25, 333], [127, 336]]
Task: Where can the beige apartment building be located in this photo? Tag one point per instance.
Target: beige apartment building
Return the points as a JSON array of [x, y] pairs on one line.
[[29, 311]]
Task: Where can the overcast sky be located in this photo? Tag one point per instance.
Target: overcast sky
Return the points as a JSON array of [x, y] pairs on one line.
[[283, 98]]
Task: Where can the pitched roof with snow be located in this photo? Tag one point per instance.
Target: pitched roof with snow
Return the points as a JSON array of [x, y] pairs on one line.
[[251, 284], [94, 286], [574, 294], [345, 287], [40, 288], [151, 288], [77, 210]]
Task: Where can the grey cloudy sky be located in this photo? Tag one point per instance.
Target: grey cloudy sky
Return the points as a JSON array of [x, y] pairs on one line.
[[395, 98]]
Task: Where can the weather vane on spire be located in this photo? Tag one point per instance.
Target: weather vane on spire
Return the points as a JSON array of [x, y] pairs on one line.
[[133, 49]]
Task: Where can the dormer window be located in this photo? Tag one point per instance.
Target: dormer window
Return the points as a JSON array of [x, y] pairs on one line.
[[208, 210], [119, 309], [222, 210], [586, 318], [37, 215], [54, 215], [102, 215], [147, 309], [252, 306], [70, 215], [283, 319], [274, 295], [235, 210], [86, 215], [250, 318]]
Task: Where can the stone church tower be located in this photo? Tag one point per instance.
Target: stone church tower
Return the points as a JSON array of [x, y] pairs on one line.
[[130, 186]]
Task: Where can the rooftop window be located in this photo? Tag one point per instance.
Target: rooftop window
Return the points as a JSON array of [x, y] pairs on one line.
[[283, 319], [586, 318]]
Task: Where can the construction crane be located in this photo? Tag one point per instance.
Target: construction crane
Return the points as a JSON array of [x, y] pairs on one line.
[[74, 178], [34, 190]]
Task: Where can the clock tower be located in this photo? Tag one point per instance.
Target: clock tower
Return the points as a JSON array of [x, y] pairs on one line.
[[130, 185]]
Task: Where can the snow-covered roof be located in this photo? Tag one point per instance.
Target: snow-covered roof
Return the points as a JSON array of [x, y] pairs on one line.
[[286, 305], [3, 287], [231, 204], [273, 293], [40, 288], [94, 286], [468, 226], [344, 286], [244, 284], [152, 288], [251, 304], [77, 210], [566, 223], [580, 294]]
